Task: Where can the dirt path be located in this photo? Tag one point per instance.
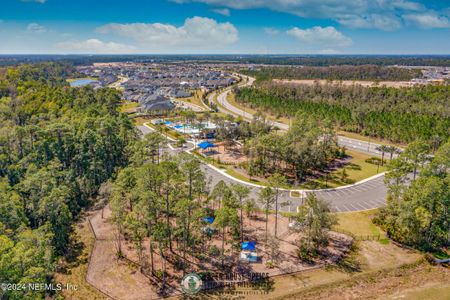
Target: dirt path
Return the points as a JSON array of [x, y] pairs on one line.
[[117, 278]]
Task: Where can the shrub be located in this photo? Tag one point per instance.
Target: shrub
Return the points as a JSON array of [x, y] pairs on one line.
[[270, 264], [375, 161], [159, 274], [213, 251]]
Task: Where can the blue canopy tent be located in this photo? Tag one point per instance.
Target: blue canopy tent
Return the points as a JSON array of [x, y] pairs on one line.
[[249, 246], [205, 145], [208, 220]]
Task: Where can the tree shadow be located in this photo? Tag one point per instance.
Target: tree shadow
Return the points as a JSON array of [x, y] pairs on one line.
[[73, 256], [349, 263]]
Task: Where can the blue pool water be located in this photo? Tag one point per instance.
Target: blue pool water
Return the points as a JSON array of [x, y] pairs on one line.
[[81, 82]]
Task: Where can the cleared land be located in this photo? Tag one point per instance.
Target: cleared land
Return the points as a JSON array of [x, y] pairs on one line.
[[372, 270], [121, 279]]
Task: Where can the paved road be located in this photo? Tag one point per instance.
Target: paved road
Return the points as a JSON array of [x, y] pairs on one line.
[[349, 143], [360, 196]]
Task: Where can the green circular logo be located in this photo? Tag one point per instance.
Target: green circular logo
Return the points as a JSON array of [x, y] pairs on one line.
[[191, 283]]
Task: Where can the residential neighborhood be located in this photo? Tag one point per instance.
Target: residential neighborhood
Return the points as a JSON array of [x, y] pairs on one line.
[[153, 85]]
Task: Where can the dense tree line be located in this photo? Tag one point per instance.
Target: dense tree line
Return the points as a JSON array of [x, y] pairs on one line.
[[418, 212], [308, 146], [397, 114], [57, 145], [306, 60], [364, 72], [342, 60]]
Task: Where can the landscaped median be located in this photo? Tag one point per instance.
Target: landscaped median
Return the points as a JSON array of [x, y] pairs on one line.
[[355, 171]]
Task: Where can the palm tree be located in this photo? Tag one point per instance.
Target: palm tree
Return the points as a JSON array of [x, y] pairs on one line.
[[392, 150], [383, 149]]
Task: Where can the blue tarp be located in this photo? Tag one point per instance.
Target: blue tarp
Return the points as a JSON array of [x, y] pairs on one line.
[[251, 246], [205, 145], [167, 122], [208, 220], [178, 126]]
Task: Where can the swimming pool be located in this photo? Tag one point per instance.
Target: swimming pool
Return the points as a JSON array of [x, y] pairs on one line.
[[81, 82]]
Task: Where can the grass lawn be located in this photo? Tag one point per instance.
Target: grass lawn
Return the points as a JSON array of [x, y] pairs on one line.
[[140, 121], [358, 223], [242, 177], [196, 99], [70, 80], [128, 106], [434, 291], [169, 132], [357, 169]]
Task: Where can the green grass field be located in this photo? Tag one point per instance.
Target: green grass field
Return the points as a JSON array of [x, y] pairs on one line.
[[196, 99], [70, 80], [358, 223], [128, 106], [357, 169]]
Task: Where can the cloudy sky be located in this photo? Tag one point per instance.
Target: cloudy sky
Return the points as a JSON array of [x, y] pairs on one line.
[[225, 26]]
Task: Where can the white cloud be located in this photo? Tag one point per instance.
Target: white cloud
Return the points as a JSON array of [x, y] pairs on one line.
[[196, 32], [271, 31], [94, 46], [324, 36], [222, 11], [383, 22], [380, 14], [328, 51], [37, 1], [36, 28], [427, 20]]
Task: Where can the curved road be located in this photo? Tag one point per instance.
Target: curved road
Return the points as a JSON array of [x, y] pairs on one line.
[[363, 195], [227, 107]]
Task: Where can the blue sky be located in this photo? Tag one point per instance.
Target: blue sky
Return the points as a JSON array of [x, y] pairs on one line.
[[225, 26]]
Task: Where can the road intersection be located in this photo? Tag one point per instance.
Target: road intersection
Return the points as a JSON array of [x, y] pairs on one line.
[[364, 195]]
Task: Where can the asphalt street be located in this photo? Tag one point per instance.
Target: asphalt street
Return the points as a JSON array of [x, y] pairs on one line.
[[360, 196], [364, 195], [349, 143]]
